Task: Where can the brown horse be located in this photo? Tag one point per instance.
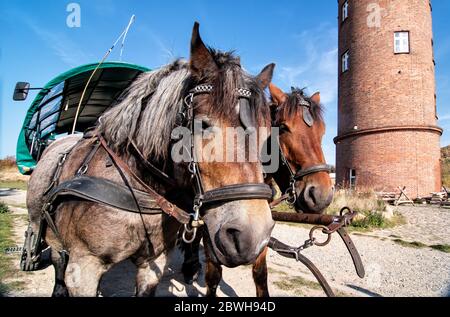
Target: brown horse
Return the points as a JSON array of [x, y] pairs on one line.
[[301, 144], [96, 236], [300, 122]]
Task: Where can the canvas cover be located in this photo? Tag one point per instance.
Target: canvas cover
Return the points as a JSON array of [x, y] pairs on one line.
[[52, 112]]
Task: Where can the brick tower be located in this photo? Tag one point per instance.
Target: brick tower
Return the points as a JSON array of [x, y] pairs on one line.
[[387, 131]]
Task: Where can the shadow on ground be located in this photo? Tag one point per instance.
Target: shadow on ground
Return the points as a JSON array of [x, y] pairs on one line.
[[120, 280], [364, 291], [8, 192]]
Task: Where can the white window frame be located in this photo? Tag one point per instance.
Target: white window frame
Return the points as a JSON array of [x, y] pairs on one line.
[[401, 42], [352, 178], [344, 11], [345, 62]]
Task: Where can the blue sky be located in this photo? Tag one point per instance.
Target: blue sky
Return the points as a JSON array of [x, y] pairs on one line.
[[300, 36]]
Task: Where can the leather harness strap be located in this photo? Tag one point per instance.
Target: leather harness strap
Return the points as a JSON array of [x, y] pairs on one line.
[[85, 165], [166, 206], [278, 201], [58, 170], [106, 192], [292, 252], [152, 168]]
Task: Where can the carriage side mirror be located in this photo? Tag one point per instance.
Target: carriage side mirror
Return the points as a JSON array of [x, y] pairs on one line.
[[21, 91]]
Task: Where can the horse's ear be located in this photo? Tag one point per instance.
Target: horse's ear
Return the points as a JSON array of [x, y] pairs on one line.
[[278, 96], [316, 98], [265, 77], [202, 62]]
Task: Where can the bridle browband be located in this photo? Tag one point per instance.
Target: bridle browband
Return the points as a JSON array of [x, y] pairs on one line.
[[223, 194], [295, 176]]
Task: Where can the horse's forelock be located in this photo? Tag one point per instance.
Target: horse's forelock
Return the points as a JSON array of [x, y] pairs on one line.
[[291, 107], [230, 77]]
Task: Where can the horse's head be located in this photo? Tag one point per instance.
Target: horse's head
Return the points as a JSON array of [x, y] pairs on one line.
[[301, 125], [237, 230]]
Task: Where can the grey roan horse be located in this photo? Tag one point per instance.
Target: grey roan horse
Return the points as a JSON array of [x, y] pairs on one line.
[[91, 237]]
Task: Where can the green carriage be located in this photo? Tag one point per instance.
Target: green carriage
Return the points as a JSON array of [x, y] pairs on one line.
[[53, 112]]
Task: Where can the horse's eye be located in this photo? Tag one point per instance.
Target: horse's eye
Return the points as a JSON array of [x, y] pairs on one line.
[[205, 125], [284, 128]]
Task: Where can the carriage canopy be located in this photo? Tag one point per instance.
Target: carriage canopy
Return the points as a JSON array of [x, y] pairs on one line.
[[52, 112]]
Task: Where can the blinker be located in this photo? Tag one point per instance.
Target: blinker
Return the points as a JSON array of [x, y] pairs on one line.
[[307, 117], [246, 115]]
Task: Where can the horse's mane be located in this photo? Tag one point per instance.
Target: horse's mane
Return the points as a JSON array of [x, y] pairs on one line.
[[147, 110]]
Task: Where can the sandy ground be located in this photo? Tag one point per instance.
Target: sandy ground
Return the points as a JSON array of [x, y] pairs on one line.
[[391, 269]]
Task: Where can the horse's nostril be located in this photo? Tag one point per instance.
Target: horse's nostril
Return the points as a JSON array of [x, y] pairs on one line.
[[233, 235], [312, 196]]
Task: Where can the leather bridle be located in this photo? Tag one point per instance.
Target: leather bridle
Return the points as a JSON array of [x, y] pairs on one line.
[[295, 176], [223, 194], [301, 173]]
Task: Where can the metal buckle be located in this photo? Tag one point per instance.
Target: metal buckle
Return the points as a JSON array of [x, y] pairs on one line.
[[192, 227], [188, 100], [62, 159], [83, 169], [192, 232], [292, 199], [192, 168]]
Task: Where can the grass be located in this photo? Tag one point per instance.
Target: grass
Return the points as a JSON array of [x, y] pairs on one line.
[[10, 176], [414, 244], [376, 220], [364, 201], [283, 207], [419, 245], [296, 284], [371, 210], [275, 271], [8, 162], [14, 184], [441, 247], [3, 208], [445, 166], [6, 232]]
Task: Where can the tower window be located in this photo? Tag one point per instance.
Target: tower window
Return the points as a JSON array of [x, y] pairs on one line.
[[352, 178], [345, 11], [345, 61], [401, 42], [435, 107]]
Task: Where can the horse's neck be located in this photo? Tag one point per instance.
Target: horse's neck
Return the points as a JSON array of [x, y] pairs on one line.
[[282, 176]]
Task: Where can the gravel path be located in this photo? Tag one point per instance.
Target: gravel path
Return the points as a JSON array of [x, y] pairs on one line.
[[391, 269]]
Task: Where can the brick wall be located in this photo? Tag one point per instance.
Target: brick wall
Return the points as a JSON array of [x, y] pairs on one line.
[[386, 90]]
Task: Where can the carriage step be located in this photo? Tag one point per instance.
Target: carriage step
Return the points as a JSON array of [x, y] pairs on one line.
[[29, 261]]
